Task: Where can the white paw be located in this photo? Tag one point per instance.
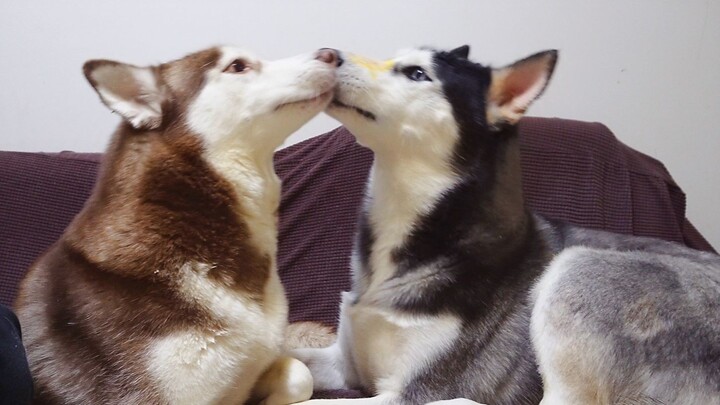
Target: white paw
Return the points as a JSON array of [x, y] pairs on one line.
[[456, 401], [286, 382]]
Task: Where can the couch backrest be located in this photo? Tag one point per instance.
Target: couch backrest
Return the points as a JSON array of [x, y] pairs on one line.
[[572, 170]]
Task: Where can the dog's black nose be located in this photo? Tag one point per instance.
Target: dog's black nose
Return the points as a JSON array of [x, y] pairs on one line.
[[329, 55]]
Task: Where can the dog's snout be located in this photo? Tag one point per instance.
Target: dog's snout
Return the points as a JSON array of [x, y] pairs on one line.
[[330, 56]]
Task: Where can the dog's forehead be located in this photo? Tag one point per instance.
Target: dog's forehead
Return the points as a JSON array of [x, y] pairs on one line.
[[196, 61], [230, 53], [186, 75], [415, 56], [195, 65]]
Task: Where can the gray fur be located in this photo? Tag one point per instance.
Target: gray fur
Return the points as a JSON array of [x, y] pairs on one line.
[[460, 291], [647, 311]]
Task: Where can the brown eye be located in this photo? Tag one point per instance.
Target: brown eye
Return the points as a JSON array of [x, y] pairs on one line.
[[237, 66]]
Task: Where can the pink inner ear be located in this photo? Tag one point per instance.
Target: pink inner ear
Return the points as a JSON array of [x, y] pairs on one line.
[[520, 79]]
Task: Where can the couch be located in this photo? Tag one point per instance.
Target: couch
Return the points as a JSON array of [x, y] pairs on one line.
[[572, 170]]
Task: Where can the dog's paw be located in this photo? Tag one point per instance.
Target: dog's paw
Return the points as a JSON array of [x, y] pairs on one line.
[[456, 401], [287, 381]]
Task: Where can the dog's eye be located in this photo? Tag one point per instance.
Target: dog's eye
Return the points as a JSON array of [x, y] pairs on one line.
[[415, 73], [237, 66]]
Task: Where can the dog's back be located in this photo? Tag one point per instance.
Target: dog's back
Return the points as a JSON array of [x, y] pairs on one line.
[[627, 320], [163, 289]]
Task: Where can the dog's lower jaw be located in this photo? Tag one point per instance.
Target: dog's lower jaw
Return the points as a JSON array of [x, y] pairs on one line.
[[364, 113], [322, 100]]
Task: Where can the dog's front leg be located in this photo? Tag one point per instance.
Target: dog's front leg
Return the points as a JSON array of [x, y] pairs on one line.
[[286, 381], [333, 367], [383, 399], [327, 365]]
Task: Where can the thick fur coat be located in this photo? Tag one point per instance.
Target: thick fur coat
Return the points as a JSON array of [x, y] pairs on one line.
[[460, 291], [163, 289]]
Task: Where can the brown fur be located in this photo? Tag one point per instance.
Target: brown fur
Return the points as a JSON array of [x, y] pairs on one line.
[[308, 334], [108, 285]]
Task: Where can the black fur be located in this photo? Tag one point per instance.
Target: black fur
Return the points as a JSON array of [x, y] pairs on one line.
[[488, 251], [479, 251]]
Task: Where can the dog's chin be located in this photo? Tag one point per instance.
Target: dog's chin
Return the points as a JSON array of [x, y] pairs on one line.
[[318, 102], [337, 106]]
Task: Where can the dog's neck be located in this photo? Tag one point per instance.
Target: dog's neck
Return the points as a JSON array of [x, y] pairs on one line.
[[404, 192], [403, 187], [252, 175], [175, 180]]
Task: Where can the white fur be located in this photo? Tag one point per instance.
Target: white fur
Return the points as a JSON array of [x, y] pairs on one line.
[[217, 366], [390, 347], [379, 348], [413, 118], [111, 78], [411, 171], [384, 400], [287, 381], [412, 147], [555, 392], [257, 121], [209, 366], [240, 141], [397, 203]]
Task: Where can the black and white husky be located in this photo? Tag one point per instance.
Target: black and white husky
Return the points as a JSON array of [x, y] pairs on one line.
[[459, 291]]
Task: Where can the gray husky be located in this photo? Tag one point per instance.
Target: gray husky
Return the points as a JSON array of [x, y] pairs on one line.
[[459, 291]]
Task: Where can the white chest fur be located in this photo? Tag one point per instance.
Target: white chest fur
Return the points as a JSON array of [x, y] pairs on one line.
[[212, 366], [257, 188], [389, 347], [400, 191]]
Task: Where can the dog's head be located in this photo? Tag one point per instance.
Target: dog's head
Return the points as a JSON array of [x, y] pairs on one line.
[[223, 94], [429, 101]]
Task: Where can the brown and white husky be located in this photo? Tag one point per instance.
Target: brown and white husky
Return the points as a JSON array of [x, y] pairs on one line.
[[163, 290]]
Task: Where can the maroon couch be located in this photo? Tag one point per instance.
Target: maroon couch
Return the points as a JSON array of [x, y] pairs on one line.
[[572, 170]]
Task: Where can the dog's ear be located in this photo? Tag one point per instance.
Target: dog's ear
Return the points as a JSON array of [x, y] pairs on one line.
[[461, 52], [515, 87], [131, 91]]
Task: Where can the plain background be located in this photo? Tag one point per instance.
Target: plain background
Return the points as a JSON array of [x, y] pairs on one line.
[[648, 69]]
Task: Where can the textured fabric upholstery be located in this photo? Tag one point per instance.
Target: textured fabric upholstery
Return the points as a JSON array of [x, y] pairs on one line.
[[573, 170]]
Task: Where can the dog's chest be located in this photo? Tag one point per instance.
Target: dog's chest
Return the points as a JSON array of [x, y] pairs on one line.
[[399, 196], [258, 190], [211, 365], [389, 348]]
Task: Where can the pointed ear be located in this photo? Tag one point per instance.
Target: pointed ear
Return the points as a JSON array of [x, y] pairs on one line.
[[515, 87], [461, 51], [131, 91]]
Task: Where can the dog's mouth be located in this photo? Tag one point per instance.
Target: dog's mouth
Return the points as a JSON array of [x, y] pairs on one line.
[[322, 97], [367, 114]]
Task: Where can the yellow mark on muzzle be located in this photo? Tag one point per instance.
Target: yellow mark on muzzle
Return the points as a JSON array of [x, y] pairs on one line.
[[372, 66]]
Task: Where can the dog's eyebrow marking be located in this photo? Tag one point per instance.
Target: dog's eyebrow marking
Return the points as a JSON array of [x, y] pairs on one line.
[[372, 66]]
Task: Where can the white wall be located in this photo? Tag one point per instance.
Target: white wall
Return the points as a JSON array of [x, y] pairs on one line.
[[649, 69]]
